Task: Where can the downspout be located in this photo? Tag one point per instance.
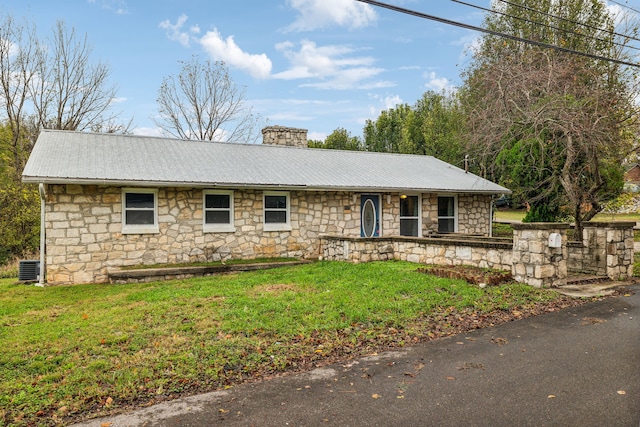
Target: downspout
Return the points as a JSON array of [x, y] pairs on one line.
[[43, 196]]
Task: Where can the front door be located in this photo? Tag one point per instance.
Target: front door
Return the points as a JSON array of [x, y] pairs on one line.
[[370, 215]]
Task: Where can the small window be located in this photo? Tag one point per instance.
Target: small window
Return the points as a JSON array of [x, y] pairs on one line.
[[139, 211], [218, 211], [276, 211], [409, 215], [447, 214]]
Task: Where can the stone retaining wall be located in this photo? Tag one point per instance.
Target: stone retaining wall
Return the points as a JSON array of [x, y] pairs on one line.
[[483, 253], [538, 255], [536, 260], [606, 249]]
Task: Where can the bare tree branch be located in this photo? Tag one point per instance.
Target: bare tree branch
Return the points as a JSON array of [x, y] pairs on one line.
[[202, 102]]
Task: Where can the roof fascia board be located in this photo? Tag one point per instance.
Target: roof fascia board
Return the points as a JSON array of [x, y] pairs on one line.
[[118, 183]]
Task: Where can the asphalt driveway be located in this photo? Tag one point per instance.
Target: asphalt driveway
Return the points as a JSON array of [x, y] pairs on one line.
[[576, 367]]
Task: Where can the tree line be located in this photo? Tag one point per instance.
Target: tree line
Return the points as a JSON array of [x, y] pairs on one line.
[[554, 127]]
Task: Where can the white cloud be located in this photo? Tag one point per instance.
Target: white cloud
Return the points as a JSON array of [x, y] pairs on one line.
[[316, 14], [175, 32], [118, 100], [383, 103], [391, 101], [335, 65], [258, 65], [119, 7], [437, 84], [317, 136], [147, 131]]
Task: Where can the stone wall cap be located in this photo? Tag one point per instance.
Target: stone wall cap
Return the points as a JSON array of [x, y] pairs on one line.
[[609, 224], [540, 226]]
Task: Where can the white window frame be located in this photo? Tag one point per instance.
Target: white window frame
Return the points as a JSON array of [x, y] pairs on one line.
[[276, 226], [455, 211], [419, 217], [140, 228], [217, 228]]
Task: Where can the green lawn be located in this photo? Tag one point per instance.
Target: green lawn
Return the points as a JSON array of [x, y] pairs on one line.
[[75, 351], [517, 215]]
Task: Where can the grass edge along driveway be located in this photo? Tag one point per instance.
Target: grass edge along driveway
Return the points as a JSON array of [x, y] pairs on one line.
[[75, 352]]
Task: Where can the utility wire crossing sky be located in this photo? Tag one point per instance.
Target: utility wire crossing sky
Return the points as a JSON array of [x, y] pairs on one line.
[[313, 64]]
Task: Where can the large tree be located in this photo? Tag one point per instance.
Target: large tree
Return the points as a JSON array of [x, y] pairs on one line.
[[430, 127], [20, 57], [203, 102], [71, 92], [554, 125], [44, 83]]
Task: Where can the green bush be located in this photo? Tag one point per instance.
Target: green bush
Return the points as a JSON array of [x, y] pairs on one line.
[[19, 220]]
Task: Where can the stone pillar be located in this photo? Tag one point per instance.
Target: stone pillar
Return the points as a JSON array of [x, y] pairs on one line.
[[537, 261], [281, 135], [608, 246]]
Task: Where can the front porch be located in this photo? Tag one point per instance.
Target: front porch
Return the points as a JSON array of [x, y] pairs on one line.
[[539, 253]]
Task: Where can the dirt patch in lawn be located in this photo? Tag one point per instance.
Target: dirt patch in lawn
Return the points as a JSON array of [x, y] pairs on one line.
[[470, 274], [275, 289]]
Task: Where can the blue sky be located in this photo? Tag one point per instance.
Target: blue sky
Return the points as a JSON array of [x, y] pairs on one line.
[[313, 64]]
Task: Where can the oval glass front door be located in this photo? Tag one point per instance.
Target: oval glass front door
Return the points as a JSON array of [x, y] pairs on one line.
[[369, 218]]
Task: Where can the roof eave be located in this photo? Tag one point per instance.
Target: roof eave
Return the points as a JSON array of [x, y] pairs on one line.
[[134, 183]]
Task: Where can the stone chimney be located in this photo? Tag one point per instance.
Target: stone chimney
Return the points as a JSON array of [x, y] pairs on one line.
[[282, 135]]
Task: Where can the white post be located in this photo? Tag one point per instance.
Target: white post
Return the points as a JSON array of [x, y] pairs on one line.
[[42, 235]]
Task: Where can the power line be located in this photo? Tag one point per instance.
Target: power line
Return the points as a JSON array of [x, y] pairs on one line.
[[543, 25], [625, 6], [494, 33], [567, 20]]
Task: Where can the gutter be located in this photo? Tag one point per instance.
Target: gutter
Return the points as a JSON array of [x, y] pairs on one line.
[[43, 196]]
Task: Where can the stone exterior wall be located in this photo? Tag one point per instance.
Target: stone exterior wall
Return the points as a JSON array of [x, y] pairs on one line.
[[84, 224], [474, 214], [84, 238]]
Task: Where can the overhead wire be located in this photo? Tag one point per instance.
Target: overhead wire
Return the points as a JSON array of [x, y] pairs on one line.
[[625, 6], [522, 6], [540, 24], [494, 33]]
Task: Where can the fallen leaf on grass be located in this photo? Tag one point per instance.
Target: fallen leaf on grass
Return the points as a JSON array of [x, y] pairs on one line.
[[622, 392], [376, 396], [223, 411], [551, 396], [106, 424], [451, 378]]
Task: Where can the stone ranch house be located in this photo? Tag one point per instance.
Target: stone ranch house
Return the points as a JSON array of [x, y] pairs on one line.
[[110, 201]]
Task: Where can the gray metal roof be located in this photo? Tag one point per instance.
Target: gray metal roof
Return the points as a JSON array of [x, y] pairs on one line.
[[87, 158]]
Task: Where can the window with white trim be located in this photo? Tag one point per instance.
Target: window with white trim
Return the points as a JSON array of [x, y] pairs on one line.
[[218, 211], [409, 215], [276, 211], [447, 214], [139, 211]]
